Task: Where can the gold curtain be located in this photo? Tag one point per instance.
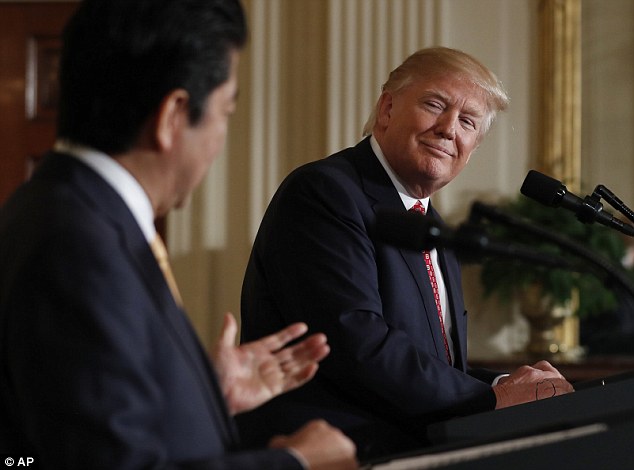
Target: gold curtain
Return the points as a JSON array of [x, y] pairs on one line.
[[559, 110]]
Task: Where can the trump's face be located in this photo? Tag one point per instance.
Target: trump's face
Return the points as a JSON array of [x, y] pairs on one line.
[[428, 130]]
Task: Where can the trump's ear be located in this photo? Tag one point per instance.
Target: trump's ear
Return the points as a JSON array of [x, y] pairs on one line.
[[172, 116], [384, 109]]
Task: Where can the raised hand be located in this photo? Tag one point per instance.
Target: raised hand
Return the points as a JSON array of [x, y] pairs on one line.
[[253, 373]]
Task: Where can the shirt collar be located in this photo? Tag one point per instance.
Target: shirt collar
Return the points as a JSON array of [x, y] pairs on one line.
[[408, 199], [120, 179]]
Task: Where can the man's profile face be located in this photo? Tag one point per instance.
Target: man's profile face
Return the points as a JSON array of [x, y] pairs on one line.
[[202, 142]]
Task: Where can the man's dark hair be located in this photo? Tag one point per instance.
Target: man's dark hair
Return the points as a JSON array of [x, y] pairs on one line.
[[122, 57]]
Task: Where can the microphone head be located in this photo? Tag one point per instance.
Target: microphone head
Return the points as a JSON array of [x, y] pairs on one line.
[[542, 188], [409, 230]]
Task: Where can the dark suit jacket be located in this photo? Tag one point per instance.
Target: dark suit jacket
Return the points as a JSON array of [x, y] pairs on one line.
[[99, 368], [316, 259]]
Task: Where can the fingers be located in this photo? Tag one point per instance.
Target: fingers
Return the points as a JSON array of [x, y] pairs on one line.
[[228, 332], [313, 348], [310, 351], [543, 365], [281, 338], [306, 374], [321, 446], [299, 377], [539, 371], [299, 363], [549, 388], [514, 394], [547, 367], [279, 379]]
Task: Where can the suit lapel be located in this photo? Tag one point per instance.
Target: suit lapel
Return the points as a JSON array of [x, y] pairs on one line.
[[383, 195], [99, 194], [180, 328], [182, 332]]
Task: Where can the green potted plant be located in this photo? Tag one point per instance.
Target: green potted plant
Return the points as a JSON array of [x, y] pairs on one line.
[[547, 295]]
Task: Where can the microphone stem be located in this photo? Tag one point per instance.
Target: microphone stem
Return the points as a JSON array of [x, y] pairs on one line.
[[614, 201], [566, 243]]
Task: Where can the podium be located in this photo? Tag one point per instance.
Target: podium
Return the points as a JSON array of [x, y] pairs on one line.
[[590, 428], [589, 447], [609, 400]]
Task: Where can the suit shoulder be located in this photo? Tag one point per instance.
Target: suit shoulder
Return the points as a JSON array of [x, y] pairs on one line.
[[338, 167]]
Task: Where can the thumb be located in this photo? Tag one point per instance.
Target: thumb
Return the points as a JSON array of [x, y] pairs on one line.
[[228, 333]]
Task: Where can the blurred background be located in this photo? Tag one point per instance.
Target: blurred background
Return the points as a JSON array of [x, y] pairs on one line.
[[310, 75]]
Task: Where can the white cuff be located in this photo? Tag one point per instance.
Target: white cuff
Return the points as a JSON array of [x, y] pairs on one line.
[[497, 379]]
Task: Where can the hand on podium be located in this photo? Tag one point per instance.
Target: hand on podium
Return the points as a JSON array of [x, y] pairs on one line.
[[530, 383]]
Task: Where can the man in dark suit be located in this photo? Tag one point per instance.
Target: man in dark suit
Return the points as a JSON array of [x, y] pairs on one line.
[[99, 367], [398, 334]]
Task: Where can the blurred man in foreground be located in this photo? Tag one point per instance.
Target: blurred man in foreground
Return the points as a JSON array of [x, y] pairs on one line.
[[99, 367]]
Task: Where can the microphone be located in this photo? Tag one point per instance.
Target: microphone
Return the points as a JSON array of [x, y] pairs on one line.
[[414, 231], [599, 266], [554, 193]]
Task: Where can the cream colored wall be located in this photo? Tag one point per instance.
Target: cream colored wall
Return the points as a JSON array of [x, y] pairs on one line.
[[309, 76], [608, 100]]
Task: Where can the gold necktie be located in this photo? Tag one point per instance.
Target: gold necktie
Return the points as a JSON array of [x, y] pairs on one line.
[[160, 253]]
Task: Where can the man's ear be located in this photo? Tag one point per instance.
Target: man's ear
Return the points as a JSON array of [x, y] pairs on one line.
[[384, 109], [171, 118]]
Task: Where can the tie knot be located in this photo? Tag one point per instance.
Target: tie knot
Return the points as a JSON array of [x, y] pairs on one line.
[[418, 207]]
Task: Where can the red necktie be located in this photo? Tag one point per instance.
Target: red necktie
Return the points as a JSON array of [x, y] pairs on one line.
[[418, 207]]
